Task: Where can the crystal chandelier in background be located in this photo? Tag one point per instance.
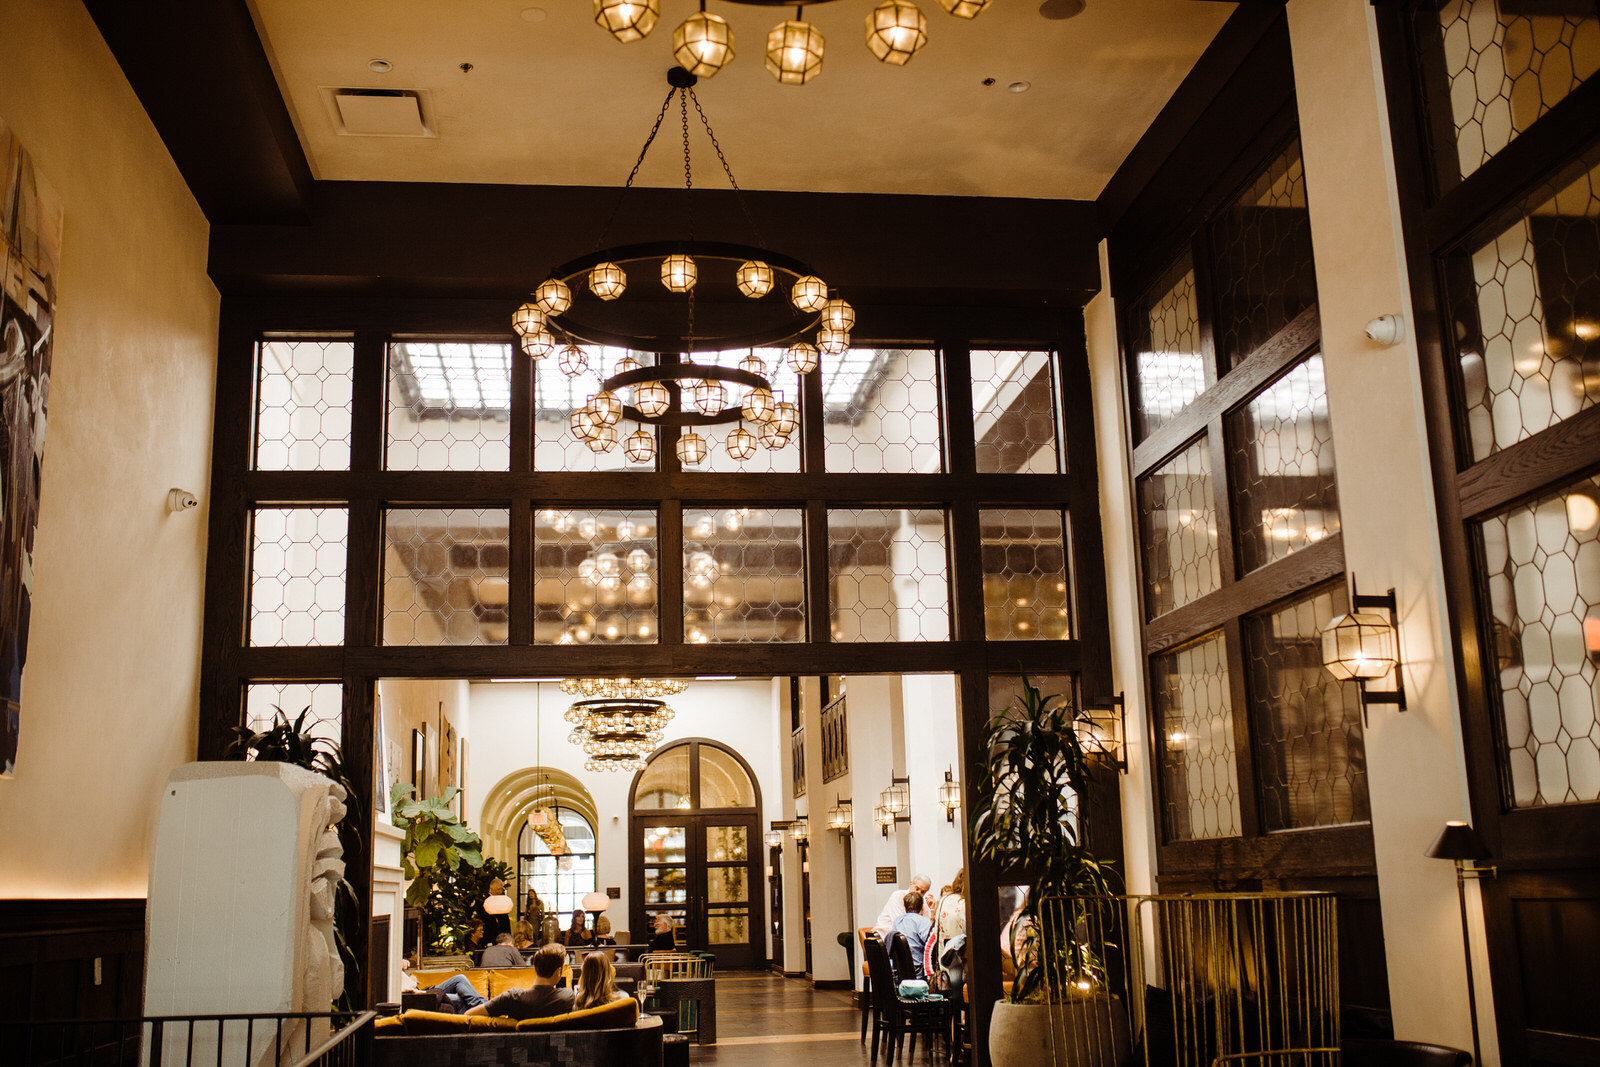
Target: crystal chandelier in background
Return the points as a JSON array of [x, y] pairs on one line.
[[621, 721], [754, 298], [704, 42]]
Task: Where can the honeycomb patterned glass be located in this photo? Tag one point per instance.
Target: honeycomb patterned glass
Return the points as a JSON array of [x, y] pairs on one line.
[[1194, 726], [1542, 562], [323, 702], [1164, 331], [888, 575], [1505, 63], [882, 412], [297, 576], [743, 575], [1180, 531], [1527, 312], [446, 576], [556, 397], [304, 396], [1005, 694], [1261, 264], [449, 406], [1027, 592], [1014, 403], [785, 386], [595, 576], [1311, 757], [1280, 451]]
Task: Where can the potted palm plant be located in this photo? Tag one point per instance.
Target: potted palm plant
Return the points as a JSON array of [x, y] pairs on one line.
[[1035, 793]]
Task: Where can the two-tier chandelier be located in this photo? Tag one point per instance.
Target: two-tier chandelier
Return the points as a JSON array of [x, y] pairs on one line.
[[703, 43], [621, 720], [736, 314]]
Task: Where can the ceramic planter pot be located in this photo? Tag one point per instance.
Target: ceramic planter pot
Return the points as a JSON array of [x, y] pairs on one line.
[[1091, 1032]]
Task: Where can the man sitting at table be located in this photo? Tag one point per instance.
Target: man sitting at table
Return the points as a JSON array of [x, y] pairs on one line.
[[916, 927], [542, 998], [503, 953]]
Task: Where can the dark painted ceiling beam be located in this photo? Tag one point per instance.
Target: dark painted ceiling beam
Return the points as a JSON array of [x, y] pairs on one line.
[[201, 73]]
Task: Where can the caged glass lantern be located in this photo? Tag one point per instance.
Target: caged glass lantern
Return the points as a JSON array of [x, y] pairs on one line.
[[538, 343], [1359, 644], [691, 449], [604, 439], [652, 399], [526, 319], [964, 9], [772, 439], [759, 405], [710, 396], [833, 342], [794, 52], [552, 297], [607, 408], [607, 281], [838, 315], [785, 417], [803, 357], [741, 443], [583, 423], [773, 838], [896, 31], [753, 364], [678, 273], [703, 44], [754, 279], [627, 20], [809, 293], [574, 361], [950, 796]]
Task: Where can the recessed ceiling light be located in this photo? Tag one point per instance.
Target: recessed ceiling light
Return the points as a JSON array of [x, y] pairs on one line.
[[533, 14], [379, 66], [1020, 87]]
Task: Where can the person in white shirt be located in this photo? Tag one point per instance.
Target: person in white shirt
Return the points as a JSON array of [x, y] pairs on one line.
[[895, 906]]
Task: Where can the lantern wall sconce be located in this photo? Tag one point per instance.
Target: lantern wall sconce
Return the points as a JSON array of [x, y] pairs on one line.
[[774, 836], [884, 819], [894, 804], [1363, 645], [841, 817], [800, 830], [950, 795], [1107, 729]]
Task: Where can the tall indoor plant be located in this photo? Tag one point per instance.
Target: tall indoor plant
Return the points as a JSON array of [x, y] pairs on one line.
[[1034, 798]]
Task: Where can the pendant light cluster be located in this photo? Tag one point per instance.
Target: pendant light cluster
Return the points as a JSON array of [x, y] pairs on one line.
[[621, 721], [704, 43]]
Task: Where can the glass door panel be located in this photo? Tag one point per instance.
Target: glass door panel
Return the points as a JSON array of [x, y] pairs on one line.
[[730, 928], [727, 885], [727, 843], [666, 844]]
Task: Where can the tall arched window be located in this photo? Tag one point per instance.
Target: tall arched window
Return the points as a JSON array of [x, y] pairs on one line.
[[561, 881]]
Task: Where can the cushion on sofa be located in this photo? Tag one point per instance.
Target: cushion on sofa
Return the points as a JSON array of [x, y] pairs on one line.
[[478, 978], [503, 979], [617, 1015], [420, 1023]]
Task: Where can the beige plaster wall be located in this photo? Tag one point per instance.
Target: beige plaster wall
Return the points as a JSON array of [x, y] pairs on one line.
[[111, 685]]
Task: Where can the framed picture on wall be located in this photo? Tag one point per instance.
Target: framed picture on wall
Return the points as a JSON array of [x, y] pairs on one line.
[[461, 774], [380, 757], [430, 766], [419, 763]]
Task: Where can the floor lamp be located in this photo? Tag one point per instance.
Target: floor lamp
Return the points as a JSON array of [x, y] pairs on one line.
[[1460, 843]]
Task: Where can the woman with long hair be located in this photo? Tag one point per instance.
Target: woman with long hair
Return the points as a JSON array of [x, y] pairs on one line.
[[949, 921], [578, 933], [597, 983]]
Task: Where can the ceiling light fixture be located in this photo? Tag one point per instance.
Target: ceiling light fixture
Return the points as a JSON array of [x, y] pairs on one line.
[[675, 391]]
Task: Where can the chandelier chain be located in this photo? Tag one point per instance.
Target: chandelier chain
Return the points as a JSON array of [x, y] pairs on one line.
[[688, 186], [716, 145], [605, 231]]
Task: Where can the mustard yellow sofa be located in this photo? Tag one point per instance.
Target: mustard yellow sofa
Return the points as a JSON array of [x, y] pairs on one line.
[[612, 1033]]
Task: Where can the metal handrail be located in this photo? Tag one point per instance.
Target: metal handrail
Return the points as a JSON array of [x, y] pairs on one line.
[[346, 1040]]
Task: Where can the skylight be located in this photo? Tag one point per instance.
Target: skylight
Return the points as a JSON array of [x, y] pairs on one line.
[[453, 379]]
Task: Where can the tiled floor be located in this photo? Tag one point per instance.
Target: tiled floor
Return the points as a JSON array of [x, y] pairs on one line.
[[764, 1019]]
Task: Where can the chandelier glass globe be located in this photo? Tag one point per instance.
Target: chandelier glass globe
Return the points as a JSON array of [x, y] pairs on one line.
[[607, 281], [627, 20], [803, 357], [607, 408], [741, 443], [527, 319], [574, 361], [710, 396], [604, 439], [583, 423], [753, 364], [896, 31], [552, 297], [964, 9], [652, 399], [691, 449], [839, 315], [638, 559], [833, 342], [759, 405], [754, 279], [794, 52], [809, 293], [771, 438], [625, 365], [538, 343], [785, 417], [703, 44], [678, 273]]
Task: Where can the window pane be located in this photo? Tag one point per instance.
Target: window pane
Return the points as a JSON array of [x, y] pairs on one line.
[[1280, 448], [297, 576], [1311, 758], [666, 885], [1014, 406], [664, 782], [1026, 592], [445, 576], [727, 885], [724, 784], [728, 927], [1526, 306], [1502, 70], [303, 405], [785, 386], [449, 406], [1164, 331], [744, 575], [883, 411], [888, 575], [556, 396], [595, 575], [1261, 259], [1180, 531], [1542, 564], [323, 700], [1194, 713], [665, 844], [725, 843]]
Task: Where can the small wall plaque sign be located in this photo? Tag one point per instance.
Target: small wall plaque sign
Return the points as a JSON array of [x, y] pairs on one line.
[[614, 892], [886, 875]]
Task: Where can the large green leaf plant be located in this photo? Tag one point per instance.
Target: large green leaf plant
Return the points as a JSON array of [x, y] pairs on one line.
[[436, 843]]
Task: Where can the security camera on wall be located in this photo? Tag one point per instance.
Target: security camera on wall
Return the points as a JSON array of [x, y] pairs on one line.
[[181, 500]]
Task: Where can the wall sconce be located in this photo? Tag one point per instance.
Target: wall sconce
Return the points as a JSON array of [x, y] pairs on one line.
[[841, 817], [950, 796], [897, 798], [1107, 729], [1362, 645], [884, 819], [1460, 843], [800, 830], [774, 837]]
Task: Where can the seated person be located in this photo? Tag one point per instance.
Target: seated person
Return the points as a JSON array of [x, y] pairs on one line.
[[597, 983], [916, 927], [455, 992], [578, 933], [524, 935], [502, 953], [663, 939], [602, 932], [543, 998]]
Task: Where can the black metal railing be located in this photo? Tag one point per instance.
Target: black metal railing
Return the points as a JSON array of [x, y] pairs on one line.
[[304, 1039]]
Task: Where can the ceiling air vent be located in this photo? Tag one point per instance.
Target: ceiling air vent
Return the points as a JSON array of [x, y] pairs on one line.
[[379, 112]]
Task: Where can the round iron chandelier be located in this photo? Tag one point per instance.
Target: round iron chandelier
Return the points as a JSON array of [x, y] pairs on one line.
[[622, 688], [617, 735], [753, 297]]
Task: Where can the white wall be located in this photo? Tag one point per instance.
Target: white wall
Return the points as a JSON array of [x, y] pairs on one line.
[[110, 693]]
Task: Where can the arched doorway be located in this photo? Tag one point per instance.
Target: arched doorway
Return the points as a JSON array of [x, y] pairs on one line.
[[694, 829]]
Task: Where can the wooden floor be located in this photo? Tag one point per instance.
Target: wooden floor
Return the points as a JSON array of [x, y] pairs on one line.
[[764, 1019]]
